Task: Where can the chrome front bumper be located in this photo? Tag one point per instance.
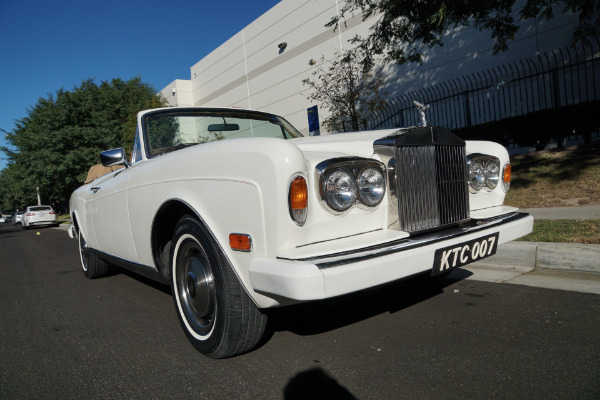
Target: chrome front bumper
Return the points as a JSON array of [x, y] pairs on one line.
[[337, 273]]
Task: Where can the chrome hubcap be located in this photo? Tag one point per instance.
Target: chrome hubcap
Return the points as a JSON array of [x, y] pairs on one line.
[[196, 289]]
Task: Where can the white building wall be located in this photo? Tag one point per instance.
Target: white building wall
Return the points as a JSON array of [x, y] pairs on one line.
[[178, 93], [468, 51], [251, 71]]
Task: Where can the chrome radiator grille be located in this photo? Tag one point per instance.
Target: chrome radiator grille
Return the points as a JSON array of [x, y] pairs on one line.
[[431, 186]]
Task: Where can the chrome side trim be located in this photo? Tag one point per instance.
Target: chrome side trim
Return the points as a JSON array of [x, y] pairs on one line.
[[348, 257]]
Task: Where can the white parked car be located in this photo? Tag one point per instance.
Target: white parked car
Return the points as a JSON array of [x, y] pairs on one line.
[[38, 215], [5, 217], [239, 213]]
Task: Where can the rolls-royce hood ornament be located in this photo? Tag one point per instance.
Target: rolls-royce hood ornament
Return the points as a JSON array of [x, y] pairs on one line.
[[421, 108]]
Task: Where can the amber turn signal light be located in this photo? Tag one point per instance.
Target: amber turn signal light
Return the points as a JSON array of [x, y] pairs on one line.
[[240, 242], [298, 194], [298, 200], [506, 176]]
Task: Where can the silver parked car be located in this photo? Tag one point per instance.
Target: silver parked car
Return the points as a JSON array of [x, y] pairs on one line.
[[38, 215], [17, 217]]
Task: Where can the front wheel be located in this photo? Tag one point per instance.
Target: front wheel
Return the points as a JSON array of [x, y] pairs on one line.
[[217, 315], [92, 265]]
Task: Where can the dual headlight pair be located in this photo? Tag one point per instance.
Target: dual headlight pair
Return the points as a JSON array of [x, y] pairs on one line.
[[343, 183], [484, 173], [346, 183]]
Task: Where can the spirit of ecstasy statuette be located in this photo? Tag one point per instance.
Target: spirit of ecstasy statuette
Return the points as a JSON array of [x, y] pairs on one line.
[[421, 108]]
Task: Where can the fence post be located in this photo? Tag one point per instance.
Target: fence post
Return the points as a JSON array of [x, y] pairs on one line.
[[467, 104], [555, 91]]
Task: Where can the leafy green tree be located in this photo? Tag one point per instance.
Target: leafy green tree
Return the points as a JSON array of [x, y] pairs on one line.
[[406, 28], [13, 193], [54, 145], [347, 89]]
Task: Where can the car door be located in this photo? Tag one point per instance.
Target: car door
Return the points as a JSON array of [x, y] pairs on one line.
[[111, 217]]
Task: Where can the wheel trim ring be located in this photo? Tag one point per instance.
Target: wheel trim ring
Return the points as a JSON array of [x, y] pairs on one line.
[[201, 331], [83, 252]]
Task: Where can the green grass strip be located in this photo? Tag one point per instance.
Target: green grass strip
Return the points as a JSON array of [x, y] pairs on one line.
[[565, 231]]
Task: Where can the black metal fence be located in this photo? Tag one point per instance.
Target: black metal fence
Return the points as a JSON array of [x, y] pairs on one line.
[[563, 77]]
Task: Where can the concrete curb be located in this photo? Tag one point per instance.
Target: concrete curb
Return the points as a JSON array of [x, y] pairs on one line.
[[537, 255], [569, 256], [562, 266]]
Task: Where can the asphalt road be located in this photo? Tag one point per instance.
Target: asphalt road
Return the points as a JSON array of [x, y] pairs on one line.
[[63, 336]]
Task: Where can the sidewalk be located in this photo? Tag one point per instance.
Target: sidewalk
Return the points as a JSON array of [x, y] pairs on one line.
[[584, 212], [568, 266]]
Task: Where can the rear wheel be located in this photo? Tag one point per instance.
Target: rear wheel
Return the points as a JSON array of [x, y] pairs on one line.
[[217, 315], [92, 265]]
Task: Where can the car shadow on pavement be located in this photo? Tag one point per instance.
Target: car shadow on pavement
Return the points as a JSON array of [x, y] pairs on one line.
[[315, 383], [326, 315]]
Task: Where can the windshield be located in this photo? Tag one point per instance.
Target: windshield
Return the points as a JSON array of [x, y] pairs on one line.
[[171, 130]]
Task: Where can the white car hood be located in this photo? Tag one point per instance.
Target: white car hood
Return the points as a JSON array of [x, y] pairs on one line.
[[358, 144]]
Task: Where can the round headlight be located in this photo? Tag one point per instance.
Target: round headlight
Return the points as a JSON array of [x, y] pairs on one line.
[[371, 186], [476, 176], [339, 189], [492, 175]]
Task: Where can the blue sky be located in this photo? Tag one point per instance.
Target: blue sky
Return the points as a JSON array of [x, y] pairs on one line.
[[48, 45]]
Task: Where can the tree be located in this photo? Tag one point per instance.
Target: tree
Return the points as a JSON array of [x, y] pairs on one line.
[[54, 145], [12, 192], [348, 90], [407, 27]]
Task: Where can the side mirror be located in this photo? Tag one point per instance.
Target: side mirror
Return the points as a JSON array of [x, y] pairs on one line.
[[114, 157]]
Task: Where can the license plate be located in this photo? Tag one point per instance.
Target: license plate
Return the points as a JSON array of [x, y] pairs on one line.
[[451, 257]]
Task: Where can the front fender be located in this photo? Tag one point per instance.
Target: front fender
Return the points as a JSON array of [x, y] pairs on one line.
[[232, 189]]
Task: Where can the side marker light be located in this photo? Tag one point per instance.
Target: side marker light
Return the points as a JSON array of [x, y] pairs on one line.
[[240, 242]]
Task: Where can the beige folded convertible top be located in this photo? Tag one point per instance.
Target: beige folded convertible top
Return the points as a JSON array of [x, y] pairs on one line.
[[98, 170]]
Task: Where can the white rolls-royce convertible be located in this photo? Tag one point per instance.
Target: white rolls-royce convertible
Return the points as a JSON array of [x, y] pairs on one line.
[[238, 213]]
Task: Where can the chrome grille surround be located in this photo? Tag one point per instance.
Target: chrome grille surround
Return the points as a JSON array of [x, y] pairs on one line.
[[431, 186], [427, 177]]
